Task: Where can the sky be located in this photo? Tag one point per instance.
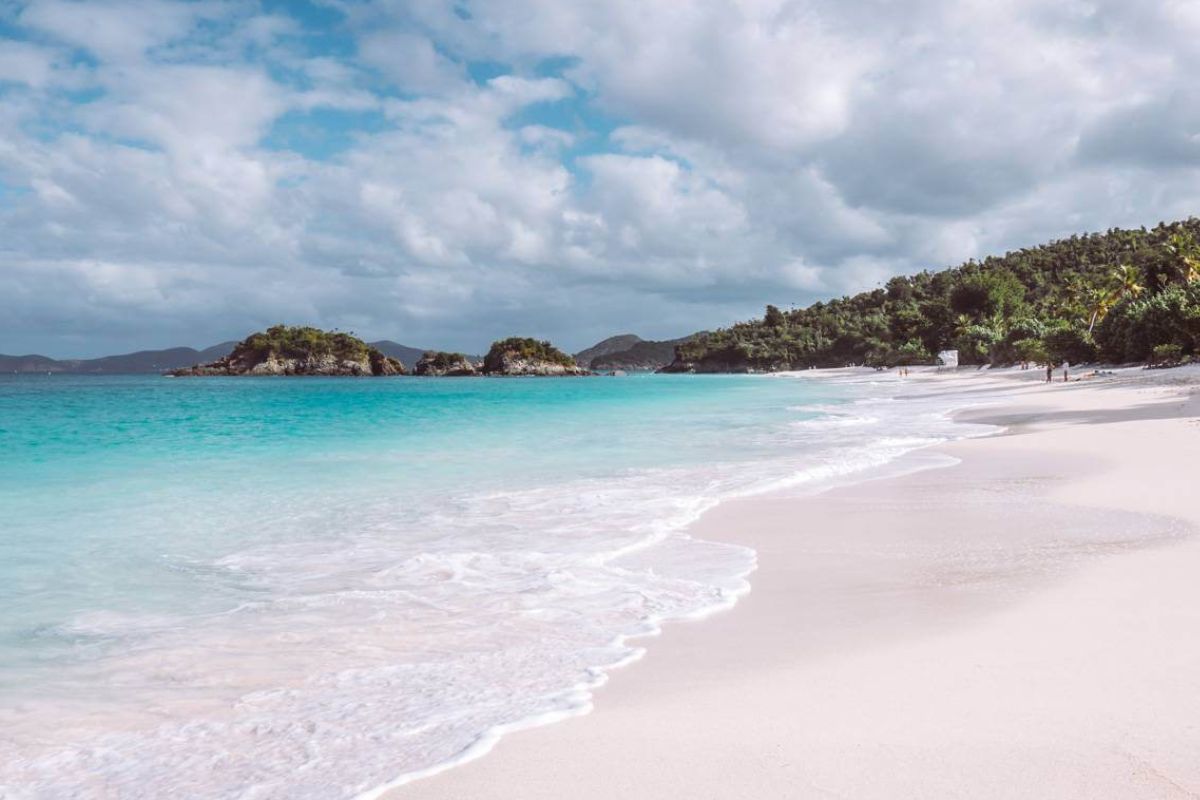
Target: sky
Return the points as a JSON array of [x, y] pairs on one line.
[[446, 173]]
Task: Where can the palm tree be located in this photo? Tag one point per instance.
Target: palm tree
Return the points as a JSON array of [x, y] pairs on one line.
[[962, 324], [998, 323], [1124, 281], [1100, 301], [1183, 246], [1127, 283]]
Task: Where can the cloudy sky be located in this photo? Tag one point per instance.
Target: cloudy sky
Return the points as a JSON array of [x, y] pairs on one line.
[[445, 173]]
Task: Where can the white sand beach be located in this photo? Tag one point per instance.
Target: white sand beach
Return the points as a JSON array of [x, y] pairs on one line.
[[1024, 623]]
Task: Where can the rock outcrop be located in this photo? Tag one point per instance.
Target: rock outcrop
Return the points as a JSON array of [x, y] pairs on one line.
[[436, 364], [529, 357], [711, 365], [283, 350]]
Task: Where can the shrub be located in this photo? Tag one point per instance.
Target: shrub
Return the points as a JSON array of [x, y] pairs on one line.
[[1132, 330], [1027, 328], [1005, 350], [975, 344], [910, 353], [1066, 343], [1030, 350], [1167, 354]]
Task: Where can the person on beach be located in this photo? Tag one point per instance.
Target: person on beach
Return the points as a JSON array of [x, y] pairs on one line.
[[1049, 372], [1066, 370]]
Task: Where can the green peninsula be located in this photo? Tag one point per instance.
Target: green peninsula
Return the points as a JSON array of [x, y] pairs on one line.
[[1122, 296]]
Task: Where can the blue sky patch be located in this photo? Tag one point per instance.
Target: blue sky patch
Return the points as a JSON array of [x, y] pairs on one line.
[[322, 133]]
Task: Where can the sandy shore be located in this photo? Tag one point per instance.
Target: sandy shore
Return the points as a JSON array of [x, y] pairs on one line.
[[1025, 623]]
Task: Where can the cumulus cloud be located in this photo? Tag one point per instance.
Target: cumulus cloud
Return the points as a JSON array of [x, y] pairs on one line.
[[568, 170], [24, 63], [410, 61], [113, 31]]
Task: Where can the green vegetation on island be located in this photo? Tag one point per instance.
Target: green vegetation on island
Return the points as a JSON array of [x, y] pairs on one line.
[[1121, 296], [287, 350], [440, 364], [282, 341], [524, 356]]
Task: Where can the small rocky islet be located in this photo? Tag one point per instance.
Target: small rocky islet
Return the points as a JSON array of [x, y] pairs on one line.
[[439, 364], [293, 351], [513, 357], [287, 350], [517, 356]]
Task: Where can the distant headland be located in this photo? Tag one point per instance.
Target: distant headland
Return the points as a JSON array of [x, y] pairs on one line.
[[1124, 296]]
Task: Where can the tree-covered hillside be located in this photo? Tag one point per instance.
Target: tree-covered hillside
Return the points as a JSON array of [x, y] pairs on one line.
[[1113, 296]]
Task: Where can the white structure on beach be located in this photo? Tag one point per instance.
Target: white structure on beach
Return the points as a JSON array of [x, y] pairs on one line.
[[947, 358]]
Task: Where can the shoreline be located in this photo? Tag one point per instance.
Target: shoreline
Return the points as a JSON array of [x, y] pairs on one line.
[[915, 458], [895, 578]]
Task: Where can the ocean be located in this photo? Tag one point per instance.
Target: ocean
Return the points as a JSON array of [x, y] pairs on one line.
[[315, 588]]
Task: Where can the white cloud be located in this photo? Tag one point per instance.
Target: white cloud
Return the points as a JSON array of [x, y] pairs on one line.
[[185, 108], [112, 30], [411, 61], [21, 62]]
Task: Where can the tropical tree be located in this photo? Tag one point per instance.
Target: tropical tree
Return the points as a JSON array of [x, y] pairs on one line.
[[1031, 350], [1185, 252], [1100, 301], [1123, 282], [1128, 281]]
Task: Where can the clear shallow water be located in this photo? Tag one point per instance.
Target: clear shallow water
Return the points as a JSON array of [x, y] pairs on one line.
[[310, 588]]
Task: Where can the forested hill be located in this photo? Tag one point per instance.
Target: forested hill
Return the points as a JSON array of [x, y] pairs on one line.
[[1112, 296]]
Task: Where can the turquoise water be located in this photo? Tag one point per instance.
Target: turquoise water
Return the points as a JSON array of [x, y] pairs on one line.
[[109, 483], [311, 587]]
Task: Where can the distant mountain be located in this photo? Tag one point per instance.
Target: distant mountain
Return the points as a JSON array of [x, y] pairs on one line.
[[149, 362], [29, 364], [643, 355], [613, 344], [408, 356], [141, 362]]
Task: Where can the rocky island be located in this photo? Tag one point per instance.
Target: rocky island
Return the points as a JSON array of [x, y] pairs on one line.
[[284, 350], [439, 364], [518, 356]]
